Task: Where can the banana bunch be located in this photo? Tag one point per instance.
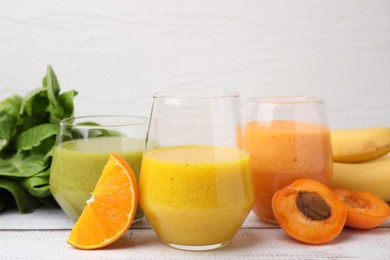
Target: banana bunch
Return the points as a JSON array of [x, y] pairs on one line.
[[360, 161]]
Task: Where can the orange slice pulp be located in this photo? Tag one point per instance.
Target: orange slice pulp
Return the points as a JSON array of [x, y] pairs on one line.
[[111, 209]]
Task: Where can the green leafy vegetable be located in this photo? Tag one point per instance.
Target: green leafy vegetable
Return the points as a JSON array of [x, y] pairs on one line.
[[28, 129], [24, 200]]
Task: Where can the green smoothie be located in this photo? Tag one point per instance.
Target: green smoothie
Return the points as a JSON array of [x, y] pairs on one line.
[[77, 166]]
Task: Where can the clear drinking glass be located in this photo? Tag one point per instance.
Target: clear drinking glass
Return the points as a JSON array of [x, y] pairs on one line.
[[82, 149], [195, 184], [287, 139]]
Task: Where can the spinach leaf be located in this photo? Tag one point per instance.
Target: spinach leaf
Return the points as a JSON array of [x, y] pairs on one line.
[[21, 165], [8, 123], [11, 105], [38, 186], [9, 112], [28, 130], [25, 202], [56, 110], [34, 136]]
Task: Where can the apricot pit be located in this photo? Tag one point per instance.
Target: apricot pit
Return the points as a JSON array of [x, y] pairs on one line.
[[312, 205]]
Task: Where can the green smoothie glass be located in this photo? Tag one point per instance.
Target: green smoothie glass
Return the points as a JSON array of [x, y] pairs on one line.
[[82, 149]]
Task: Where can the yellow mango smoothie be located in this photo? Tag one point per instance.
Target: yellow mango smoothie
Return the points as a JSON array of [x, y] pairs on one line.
[[78, 164], [196, 195]]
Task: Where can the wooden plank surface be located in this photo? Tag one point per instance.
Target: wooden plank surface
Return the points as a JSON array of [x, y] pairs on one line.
[[43, 235]]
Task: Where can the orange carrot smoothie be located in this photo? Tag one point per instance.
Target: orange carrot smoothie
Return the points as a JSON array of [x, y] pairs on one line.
[[283, 151]]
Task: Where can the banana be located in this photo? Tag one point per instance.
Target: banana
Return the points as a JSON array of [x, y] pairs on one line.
[[372, 176], [360, 145]]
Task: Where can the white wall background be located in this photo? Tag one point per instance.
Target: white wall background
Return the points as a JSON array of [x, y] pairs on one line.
[[117, 53]]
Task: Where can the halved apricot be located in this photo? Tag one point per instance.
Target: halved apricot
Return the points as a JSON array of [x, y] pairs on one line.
[[364, 209], [309, 211]]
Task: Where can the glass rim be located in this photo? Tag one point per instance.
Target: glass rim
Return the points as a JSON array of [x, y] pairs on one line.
[[285, 100], [195, 94], [73, 120]]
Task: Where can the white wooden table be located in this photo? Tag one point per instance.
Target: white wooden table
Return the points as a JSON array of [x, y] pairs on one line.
[[43, 234]]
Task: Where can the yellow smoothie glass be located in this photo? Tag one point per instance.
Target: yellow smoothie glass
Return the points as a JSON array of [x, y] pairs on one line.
[[82, 149], [195, 184]]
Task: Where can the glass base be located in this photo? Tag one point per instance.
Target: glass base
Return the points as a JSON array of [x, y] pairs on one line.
[[137, 220], [139, 215], [197, 248], [265, 216], [271, 221]]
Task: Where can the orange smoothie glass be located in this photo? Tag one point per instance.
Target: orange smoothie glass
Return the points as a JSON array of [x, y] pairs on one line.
[[195, 184], [287, 139]]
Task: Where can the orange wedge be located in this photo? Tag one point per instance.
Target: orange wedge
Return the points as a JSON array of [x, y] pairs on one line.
[[111, 209]]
